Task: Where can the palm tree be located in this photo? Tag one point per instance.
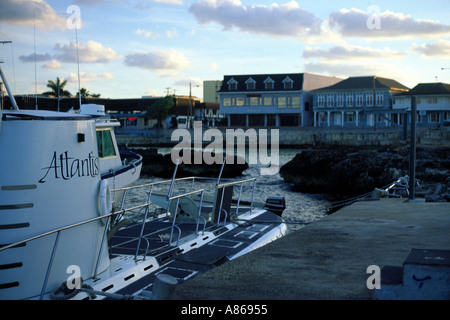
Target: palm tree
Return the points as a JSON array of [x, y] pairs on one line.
[[85, 93], [57, 88]]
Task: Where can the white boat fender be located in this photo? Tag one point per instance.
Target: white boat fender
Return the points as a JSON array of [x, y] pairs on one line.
[[105, 198]]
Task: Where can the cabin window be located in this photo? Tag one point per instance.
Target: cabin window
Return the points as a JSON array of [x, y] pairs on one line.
[[105, 144]]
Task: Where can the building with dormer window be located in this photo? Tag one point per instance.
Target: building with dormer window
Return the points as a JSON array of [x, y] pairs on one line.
[[270, 100], [432, 103], [350, 103]]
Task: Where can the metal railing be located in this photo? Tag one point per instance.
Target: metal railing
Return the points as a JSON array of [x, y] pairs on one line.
[[116, 215]]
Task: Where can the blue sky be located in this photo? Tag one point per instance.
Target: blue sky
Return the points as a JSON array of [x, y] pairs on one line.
[[132, 48]]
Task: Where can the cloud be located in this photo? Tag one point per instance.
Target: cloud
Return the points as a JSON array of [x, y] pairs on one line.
[[92, 51], [288, 19], [89, 77], [30, 12], [174, 2], [38, 57], [159, 61], [185, 80], [137, 3], [53, 64], [346, 52], [146, 34], [441, 49], [382, 25], [171, 33], [213, 66]]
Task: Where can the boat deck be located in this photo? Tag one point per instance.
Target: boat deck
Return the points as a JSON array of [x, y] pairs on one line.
[[184, 264]]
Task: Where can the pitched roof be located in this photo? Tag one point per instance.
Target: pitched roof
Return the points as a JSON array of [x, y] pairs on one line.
[[429, 89], [365, 83], [259, 79]]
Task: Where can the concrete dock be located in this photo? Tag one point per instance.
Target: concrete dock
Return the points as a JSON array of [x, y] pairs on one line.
[[328, 259]]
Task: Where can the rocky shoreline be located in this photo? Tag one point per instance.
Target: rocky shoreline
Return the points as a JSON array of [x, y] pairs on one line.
[[348, 172], [162, 166]]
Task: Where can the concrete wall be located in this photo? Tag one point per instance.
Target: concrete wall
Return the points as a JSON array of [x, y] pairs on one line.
[[294, 137]]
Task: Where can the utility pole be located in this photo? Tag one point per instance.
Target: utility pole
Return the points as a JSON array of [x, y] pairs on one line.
[[190, 106], [374, 110], [412, 158]]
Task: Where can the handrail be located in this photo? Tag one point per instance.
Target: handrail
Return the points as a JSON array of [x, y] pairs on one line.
[[110, 218], [235, 182]]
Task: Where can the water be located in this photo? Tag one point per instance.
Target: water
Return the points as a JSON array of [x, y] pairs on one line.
[[300, 207]]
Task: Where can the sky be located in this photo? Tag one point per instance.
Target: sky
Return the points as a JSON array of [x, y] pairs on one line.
[[135, 48]]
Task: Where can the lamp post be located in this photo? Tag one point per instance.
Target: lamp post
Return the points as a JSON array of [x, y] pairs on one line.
[[374, 110], [190, 105]]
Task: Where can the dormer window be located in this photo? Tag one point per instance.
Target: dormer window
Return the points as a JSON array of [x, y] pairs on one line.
[[269, 83], [250, 84], [232, 84], [288, 83]]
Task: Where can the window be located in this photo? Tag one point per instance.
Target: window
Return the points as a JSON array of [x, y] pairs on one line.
[[267, 101], [226, 102], [359, 100], [432, 100], [131, 122], [379, 99], [269, 84], [447, 116], [105, 144], [321, 101], [250, 84], [288, 83], [295, 102], [434, 116], [349, 101], [350, 117], [281, 102], [369, 99], [239, 102], [232, 84], [340, 100], [253, 101], [330, 100]]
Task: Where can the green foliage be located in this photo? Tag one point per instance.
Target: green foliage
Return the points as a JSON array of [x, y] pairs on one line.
[[85, 93], [55, 86], [159, 110]]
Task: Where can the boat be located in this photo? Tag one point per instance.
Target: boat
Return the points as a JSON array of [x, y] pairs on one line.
[[74, 225]]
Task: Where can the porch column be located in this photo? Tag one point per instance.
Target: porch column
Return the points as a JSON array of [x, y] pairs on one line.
[[328, 117], [357, 117], [342, 118], [315, 122]]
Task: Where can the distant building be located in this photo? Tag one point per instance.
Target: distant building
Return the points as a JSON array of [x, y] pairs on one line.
[[432, 103], [270, 100], [357, 102], [210, 88]]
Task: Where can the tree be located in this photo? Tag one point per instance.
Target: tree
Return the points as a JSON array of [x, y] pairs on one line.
[[85, 93], [159, 110], [57, 88]]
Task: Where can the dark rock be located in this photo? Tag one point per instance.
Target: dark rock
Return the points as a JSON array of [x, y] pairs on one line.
[[348, 172], [162, 166]]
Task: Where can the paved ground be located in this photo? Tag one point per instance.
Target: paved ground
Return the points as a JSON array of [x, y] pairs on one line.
[[329, 258]]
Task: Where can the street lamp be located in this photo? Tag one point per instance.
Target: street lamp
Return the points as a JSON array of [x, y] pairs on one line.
[[190, 105]]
